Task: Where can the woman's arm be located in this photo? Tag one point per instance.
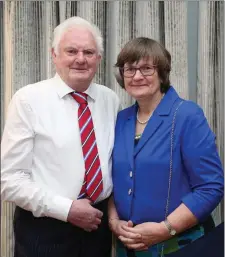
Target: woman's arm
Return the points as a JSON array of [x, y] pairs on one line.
[[112, 213], [202, 165], [116, 225]]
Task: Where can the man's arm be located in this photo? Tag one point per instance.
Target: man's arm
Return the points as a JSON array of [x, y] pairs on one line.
[[16, 161]]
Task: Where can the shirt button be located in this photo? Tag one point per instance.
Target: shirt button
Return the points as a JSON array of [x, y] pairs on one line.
[[129, 192], [131, 174]]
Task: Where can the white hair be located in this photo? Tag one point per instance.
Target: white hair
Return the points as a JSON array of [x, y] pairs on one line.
[[77, 22]]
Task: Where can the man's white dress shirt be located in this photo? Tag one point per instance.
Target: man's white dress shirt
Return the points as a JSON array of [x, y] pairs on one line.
[[42, 167]]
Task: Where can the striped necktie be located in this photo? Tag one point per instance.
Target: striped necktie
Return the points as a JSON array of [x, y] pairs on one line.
[[93, 184]]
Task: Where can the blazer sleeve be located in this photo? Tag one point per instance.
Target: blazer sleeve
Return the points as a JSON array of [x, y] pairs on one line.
[[202, 165]]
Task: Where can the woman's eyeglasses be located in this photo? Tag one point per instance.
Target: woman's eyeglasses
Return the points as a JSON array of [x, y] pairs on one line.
[[129, 72]]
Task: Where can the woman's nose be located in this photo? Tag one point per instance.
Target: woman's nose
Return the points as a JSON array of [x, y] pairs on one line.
[[138, 75]]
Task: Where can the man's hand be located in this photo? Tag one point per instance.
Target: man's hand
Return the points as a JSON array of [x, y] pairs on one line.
[[83, 215]]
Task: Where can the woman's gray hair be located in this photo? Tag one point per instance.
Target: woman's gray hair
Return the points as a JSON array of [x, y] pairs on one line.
[[77, 22]]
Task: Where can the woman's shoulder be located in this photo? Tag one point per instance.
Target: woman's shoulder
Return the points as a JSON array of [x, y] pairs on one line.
[[190, 109], [126, 112]]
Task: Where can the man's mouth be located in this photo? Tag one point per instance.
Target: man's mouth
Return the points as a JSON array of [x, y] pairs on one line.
[[79, 69]]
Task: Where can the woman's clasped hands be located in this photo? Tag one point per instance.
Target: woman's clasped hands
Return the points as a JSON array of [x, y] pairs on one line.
[[140, 237]]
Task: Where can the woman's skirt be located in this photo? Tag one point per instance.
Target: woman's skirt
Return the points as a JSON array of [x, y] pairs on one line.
[[162, 249]]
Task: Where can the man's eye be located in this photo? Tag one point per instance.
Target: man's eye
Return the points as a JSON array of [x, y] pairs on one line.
[[88, 53], [71, 51]]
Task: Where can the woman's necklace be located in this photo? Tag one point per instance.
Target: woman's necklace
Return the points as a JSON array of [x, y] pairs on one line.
[[144, 122]]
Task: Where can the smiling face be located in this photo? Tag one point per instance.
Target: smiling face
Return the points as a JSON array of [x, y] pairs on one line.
[[140, 86], [77, 59]]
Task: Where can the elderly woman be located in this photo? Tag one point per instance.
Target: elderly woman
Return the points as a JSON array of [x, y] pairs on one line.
[[167, 174]]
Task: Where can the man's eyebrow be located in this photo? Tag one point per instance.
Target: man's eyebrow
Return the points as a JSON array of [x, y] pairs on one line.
[[70, 47], [90, 49], [85, 49]]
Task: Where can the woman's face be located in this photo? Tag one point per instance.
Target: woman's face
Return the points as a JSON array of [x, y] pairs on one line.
[[145, 82]]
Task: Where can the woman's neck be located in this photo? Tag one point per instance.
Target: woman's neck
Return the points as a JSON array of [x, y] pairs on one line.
[[148, 105]]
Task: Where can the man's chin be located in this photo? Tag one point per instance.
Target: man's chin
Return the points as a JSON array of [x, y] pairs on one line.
[[74, 71], [80, 76]]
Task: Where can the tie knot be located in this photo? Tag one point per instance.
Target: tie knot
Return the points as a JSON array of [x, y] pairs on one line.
[[81, 98]]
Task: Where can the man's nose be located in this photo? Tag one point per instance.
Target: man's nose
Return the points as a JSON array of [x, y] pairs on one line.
[[80, 57]]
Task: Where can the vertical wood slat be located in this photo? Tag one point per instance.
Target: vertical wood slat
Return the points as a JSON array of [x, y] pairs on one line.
[[148, 19], [48, 21], [220, 80], [176, 42], [118, 33], [210, 83], [7, 209], [205, 85]]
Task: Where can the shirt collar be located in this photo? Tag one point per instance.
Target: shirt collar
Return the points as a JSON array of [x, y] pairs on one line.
[[63, 89]]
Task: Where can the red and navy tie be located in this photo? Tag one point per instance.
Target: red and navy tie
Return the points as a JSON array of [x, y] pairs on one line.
[[93, 184]]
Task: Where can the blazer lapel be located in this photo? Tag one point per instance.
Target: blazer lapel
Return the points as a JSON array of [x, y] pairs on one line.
[[162, 110], [129, 134], [152, 126]]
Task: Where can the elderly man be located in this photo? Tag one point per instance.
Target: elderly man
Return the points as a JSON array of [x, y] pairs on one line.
[[56, 152]]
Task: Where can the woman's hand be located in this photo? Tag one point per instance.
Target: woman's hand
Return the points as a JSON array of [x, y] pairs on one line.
[[151, 233], [117, 226]]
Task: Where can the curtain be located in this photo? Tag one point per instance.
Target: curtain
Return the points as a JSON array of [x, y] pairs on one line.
[[26, 36]]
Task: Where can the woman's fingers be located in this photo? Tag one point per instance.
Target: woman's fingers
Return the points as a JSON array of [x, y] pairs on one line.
[[130, 235], [129, 229], [145, 248], [136, 246], [126, 240]]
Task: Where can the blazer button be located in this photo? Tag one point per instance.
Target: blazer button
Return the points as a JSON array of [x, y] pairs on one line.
[[129, 192], [131, 174]]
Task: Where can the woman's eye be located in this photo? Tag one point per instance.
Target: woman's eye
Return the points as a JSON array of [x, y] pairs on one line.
[[129, 69], [146, 68]]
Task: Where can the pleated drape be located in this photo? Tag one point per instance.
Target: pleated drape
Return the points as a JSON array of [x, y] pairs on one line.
[[26, 36]]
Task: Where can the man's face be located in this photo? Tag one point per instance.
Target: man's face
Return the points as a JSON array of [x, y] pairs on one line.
[[77, 59]]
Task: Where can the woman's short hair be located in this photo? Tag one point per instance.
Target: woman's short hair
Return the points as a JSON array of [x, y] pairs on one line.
[[77, 22], [142, 48]]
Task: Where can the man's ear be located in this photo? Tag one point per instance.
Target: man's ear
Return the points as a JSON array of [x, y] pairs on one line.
[[99, 58], [53, 54]]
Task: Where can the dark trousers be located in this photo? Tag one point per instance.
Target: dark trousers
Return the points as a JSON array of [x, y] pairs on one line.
[[47, 237]]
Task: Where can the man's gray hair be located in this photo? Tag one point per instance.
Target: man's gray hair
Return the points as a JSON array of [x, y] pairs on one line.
[[77, 22]]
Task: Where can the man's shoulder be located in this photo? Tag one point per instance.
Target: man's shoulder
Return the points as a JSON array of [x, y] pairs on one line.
[[106, 93], [34, 88], [34, 91], [102, 89]]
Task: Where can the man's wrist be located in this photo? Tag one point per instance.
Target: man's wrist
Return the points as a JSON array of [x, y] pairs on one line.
[[60, 207]]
